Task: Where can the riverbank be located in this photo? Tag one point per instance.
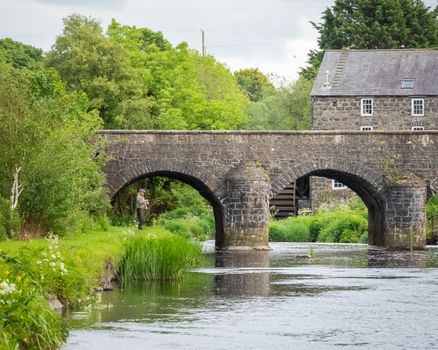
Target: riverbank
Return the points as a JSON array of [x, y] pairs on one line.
[[70, 272]]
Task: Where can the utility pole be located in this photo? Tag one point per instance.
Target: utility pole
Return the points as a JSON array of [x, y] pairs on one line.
[[203, 42]]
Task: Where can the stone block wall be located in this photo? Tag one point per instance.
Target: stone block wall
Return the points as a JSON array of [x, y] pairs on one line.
[[406, 214], [247, 207], [389, 113]]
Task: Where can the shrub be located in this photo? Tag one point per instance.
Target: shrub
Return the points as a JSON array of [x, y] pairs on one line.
[[289, 230], [10, 221], [342, 222], [26, 321], [159, 256], [344, 228], [196, 227], [179, 227], [124, 220]]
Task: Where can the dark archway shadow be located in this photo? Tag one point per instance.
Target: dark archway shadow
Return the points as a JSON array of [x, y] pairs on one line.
[[198, 185], [373, 199]]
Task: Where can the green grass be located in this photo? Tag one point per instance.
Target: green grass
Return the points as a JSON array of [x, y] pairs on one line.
[[345, 223], [157, 255], [70, 268]]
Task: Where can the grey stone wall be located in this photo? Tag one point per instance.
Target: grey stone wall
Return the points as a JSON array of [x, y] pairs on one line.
[[406, 214], [216, 164], [390, 113], [247, 207]]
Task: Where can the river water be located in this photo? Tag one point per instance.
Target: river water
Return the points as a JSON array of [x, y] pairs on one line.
[[345, 296]]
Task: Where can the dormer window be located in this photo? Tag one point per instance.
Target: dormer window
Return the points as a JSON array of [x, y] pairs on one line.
[[407, 84]]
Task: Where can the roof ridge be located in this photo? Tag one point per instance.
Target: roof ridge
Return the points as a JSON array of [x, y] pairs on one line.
[[375, 50]]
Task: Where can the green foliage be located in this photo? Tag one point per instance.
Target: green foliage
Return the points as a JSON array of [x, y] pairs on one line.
[[88, 61], [346, 223], [10, 220], [26, 321], [46, 135], [432, 216], [288, 231], [391, 170], [432, 206], [29, 270], [173, 204], [343, 228], [374, 24], [193, 227], [285, 108], [157, 255], [254, 83], [20, 55]]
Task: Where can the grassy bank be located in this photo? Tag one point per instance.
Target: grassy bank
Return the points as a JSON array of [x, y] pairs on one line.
[[344, 223], [70, 269]]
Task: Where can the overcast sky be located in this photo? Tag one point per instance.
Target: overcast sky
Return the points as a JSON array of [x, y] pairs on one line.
[[272, 35]]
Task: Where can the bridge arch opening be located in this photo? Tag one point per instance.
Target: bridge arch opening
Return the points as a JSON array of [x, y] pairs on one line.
[[205, 191], [367, 192]]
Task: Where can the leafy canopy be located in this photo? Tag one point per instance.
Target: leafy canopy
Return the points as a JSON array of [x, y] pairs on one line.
[[46, 133], [374, 24]]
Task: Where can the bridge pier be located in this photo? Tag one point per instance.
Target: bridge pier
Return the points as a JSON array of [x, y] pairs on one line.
[[246, 211], [406, 214]]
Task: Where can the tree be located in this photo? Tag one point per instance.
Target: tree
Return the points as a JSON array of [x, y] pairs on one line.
[[20, 55], [48, 173], [90, 62], [253, 82], [286, 108], [374, 24], [186, 90]]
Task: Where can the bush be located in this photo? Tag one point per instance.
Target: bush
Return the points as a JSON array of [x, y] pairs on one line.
[[345, 223], [179, 227], [10, 221], [124, 220], [289, 230], [26, 321], [158, 256], [195, 227], [344, 228]]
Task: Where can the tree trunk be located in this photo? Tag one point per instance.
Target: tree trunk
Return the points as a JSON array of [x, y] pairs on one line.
[[16, 189]]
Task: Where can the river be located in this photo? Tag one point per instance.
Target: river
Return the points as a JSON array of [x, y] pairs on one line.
[[344, 296]]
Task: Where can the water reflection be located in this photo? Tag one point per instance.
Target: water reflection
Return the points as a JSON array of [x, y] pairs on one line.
[[283, 298], [239, 274], [392, 259]]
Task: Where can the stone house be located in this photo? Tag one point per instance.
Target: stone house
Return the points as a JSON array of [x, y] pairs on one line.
[[372, 90], [376, 90], [367, 90]]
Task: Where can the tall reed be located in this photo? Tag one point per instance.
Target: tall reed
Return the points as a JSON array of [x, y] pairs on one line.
[[161, 256]]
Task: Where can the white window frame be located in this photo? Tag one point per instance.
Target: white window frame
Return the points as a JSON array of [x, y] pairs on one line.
[[413, 107], [366, 128], [362, 104], [336, 185], [417, 128]]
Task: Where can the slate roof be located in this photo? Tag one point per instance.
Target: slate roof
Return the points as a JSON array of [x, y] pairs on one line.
[[377, 73]]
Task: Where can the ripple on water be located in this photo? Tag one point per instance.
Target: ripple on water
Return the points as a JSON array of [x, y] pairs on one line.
[[345, 296]]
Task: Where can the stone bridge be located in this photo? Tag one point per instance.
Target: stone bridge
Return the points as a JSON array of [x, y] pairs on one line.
[[238, 172]]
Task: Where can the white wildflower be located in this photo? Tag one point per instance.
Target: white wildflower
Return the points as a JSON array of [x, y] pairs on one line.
[[6, 288]]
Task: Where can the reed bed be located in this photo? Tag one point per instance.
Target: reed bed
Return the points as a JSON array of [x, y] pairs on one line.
[[158, 256]]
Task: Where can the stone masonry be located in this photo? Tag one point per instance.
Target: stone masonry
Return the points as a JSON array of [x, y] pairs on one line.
[[389, 113], [237, 172]]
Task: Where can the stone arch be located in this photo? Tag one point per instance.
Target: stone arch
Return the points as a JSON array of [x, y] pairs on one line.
[[367, 183], [199, 178]]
